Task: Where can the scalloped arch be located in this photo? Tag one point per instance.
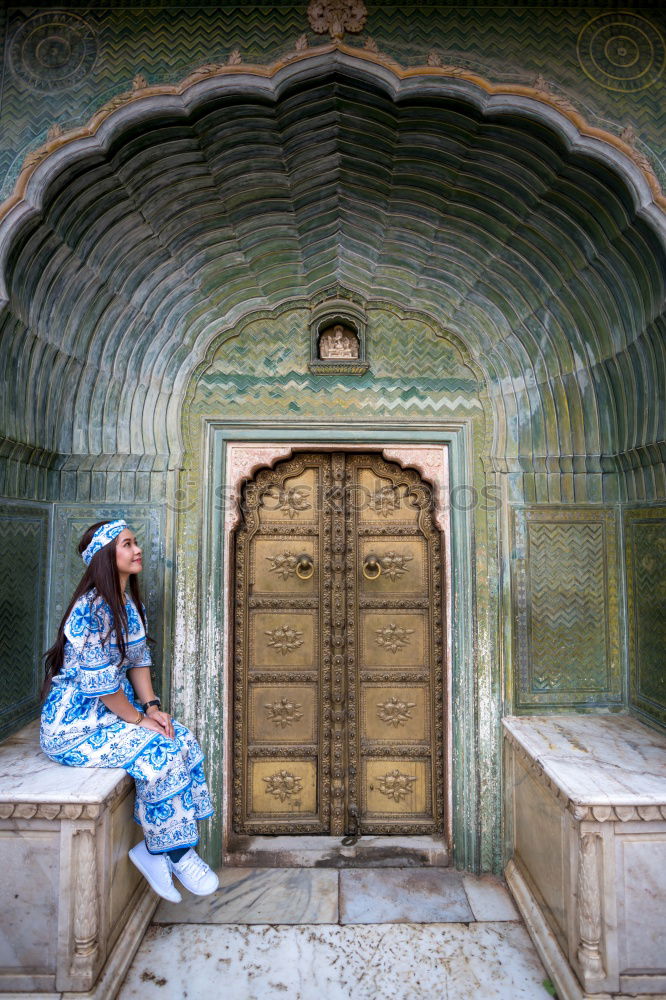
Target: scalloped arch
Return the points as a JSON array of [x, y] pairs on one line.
[[131, 244]]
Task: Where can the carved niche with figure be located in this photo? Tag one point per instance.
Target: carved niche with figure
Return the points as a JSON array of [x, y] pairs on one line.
[[338, 329], [338, 342]]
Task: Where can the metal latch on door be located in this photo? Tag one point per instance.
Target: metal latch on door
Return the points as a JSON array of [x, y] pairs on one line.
[[355, 828]]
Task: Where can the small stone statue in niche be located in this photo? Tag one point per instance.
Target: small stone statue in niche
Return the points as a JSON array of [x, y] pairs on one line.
[[338, 341]]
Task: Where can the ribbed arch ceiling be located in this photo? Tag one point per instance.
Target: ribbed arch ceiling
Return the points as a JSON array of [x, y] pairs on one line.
[[533, 253]]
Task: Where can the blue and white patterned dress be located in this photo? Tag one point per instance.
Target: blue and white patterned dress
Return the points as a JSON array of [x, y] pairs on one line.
[[79, 730]]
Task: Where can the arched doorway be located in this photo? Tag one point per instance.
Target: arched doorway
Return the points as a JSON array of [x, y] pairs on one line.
[[339, 651]]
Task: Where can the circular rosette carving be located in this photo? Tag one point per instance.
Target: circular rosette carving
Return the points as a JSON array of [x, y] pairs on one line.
[[393, 637], [621, 51], [384, 501], [283, 564], [53, 51], [290, 501], [285, 639], [394, 564], [283, 712]]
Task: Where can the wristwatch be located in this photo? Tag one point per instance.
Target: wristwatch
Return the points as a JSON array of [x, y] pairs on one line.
[[148, 704]]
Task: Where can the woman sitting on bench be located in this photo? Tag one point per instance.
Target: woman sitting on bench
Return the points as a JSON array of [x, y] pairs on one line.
[[101, 711]]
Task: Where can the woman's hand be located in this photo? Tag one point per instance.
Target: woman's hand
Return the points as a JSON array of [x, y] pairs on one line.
[[159, 722]]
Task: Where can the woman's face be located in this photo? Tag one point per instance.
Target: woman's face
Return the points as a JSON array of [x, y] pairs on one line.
[[128, 553]]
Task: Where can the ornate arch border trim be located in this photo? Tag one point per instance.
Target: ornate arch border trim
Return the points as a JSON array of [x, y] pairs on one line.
[[144, 101]]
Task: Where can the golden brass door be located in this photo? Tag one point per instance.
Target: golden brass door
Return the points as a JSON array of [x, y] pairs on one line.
[[338, 673]]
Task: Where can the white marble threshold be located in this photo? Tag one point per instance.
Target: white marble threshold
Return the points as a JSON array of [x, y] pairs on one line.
[[349, 896], [319, 851]]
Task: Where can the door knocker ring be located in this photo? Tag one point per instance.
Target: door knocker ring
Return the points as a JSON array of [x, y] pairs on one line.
[[304, 567], [372, 567]]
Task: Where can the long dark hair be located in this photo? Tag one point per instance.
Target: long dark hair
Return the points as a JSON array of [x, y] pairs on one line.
[[101, 575]]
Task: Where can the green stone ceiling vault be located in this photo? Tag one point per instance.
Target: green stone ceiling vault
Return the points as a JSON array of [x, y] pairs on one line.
[[540, 249]]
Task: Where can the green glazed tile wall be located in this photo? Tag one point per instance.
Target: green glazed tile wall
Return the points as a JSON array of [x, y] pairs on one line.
[[24, 539], [567, 625], [263, 373], [645, 534], [553, 284]]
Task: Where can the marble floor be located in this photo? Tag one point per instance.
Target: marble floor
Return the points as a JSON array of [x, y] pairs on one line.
[[354, 934]]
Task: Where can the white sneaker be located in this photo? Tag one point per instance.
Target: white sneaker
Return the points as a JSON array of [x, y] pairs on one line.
[[156, 870], [193, 872]]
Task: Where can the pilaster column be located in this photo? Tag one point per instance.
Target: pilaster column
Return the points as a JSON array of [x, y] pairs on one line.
[[589, 910], [86, 903]]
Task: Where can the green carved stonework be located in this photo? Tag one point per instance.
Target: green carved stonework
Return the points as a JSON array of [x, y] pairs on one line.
[[488, 223], [514, 292], [645, 532]]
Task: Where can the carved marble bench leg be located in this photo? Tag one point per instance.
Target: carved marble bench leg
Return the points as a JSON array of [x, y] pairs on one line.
[[81, 950], [589, 910], [594, 930], [545, 941]]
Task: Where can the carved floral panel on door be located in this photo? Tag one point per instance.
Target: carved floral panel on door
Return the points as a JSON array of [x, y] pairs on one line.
[[338, 695]]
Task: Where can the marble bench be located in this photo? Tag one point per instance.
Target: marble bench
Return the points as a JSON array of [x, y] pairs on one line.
[[73, 909], [586, 835]]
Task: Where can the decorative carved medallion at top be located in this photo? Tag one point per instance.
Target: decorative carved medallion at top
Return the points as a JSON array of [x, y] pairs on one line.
[[393, 637], [621, 51], [283, 712], [283, 784], [384, 501], [285, 639], [396, 785], [337, 16], [395, 712]]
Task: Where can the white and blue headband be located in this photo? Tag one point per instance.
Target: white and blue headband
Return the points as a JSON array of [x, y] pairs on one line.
[[104, 534]]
